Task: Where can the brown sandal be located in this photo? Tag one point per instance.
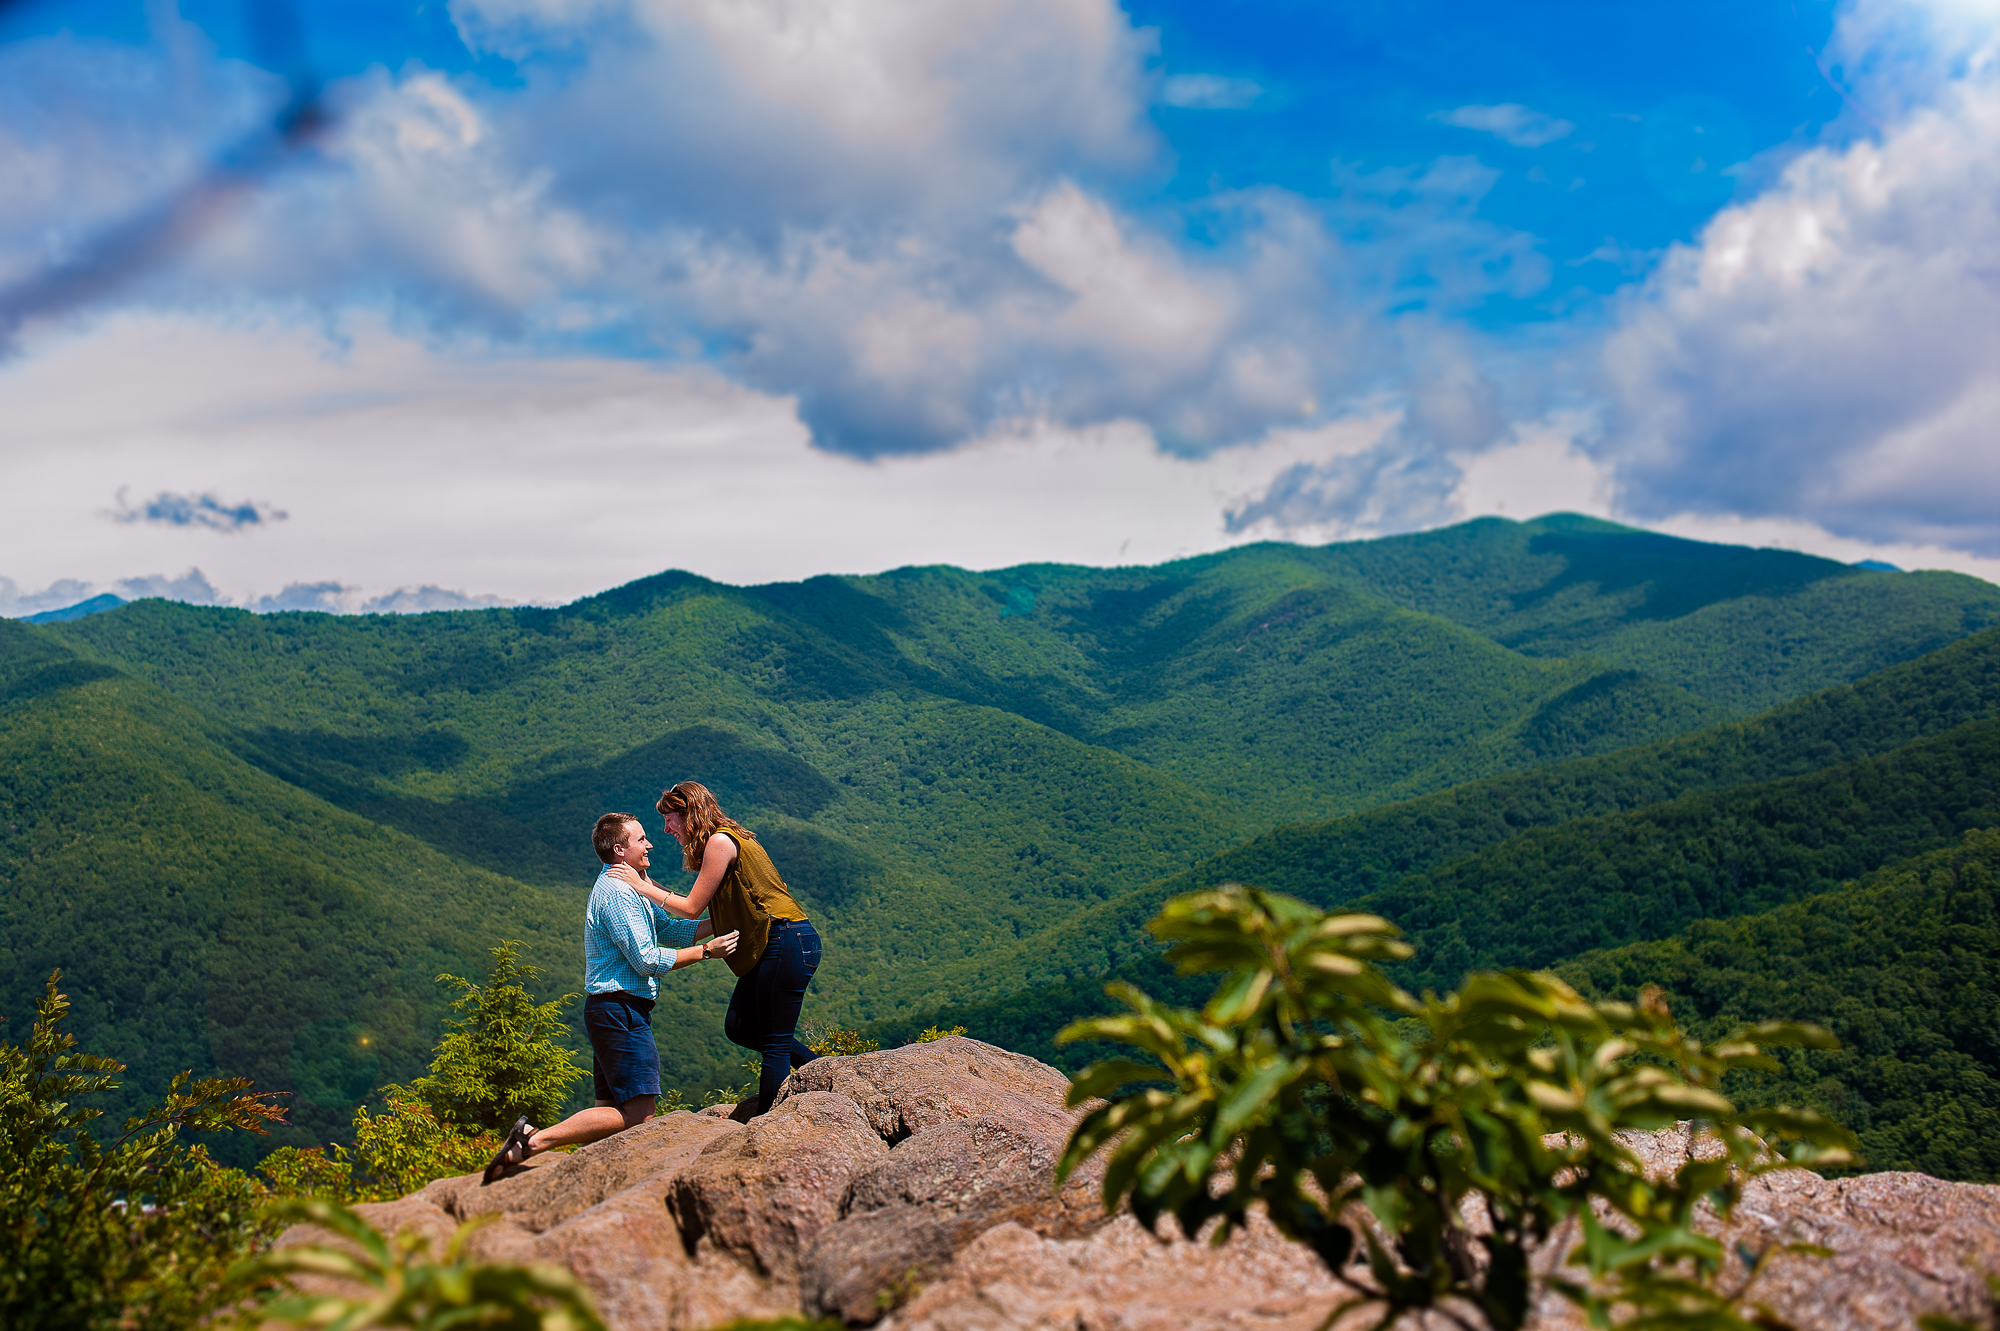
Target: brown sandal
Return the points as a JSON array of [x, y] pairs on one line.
[[513, 1151]]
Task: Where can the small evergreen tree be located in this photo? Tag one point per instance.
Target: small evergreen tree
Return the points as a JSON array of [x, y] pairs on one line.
[[500, 1059]]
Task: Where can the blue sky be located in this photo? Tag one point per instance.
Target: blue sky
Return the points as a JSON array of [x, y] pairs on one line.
[[998, 282]]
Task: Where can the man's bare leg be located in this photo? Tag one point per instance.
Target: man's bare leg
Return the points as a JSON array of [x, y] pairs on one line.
[[601, 1120]]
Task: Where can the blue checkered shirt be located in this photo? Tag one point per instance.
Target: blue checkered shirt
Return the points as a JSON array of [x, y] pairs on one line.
[[628, 942]]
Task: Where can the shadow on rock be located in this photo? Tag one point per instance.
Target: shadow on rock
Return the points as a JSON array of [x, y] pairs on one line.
[[915, 1188]]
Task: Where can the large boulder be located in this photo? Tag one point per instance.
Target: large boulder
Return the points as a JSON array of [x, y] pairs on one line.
[[764, 1192], [905, 1091], [627, 1251], [1904, 1246], [1012, 1279], [554, 1187], [904, 1220]]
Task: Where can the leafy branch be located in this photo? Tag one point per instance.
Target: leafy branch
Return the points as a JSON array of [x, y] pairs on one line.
[[1442, 1143], [379, 1283], [132, 1232]]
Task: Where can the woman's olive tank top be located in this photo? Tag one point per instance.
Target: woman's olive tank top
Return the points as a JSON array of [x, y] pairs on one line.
[[749, 897]]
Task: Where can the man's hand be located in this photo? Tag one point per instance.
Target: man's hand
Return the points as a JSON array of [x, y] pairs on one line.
[[721, 946]]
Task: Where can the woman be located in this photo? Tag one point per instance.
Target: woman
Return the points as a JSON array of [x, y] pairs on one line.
[[777, 950]]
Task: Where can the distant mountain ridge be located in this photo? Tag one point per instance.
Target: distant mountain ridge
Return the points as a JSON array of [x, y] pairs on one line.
[[92, 606], [953, 768]]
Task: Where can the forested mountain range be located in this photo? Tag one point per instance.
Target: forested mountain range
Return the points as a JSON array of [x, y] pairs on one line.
[[251, 841], [1858, 891], [1904, 964]]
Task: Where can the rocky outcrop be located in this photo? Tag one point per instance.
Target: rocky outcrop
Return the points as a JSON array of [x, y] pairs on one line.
[[1904, 1245], [764, 1192], [906, 1091], [915, 1189], [904, 1221]]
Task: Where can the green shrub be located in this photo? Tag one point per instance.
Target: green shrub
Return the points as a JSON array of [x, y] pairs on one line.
[[930, 1033], [404, 1286], [136, 1232], [732, 1095], [1310, 1083], [497, 1061], [408, 1144], [395, 1153], [292, 1171], [832, 1041], [500, 1059]]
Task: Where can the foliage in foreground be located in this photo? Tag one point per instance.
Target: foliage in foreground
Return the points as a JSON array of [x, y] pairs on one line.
[[137, 1232], [1310, 1083], [502, 1057], [401, 1285]]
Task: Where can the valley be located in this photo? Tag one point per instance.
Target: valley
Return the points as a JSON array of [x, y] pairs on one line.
[[1520, 740]]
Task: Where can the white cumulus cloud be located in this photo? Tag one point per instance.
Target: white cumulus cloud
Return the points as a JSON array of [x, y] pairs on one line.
[[1831, 350], [916, 222]]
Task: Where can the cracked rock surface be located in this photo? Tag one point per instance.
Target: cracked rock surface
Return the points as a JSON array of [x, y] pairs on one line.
[[913, 1189]]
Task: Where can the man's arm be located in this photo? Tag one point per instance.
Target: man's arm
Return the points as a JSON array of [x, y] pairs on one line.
[[673, 931], [627, 921]]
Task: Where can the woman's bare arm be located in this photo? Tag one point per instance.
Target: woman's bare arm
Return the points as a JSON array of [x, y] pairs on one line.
[[716, 857]]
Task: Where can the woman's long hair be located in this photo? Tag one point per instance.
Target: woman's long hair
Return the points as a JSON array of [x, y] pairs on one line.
[[702, 817]]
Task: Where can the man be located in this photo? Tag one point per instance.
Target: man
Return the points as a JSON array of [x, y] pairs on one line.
[[623, 958]]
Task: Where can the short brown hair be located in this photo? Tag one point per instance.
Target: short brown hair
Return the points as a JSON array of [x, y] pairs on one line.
[[609, 834]]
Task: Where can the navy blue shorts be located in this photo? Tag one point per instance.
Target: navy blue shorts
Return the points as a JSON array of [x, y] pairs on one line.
[[624, 1061]]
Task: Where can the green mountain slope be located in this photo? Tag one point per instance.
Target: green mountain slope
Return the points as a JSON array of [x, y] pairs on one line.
[[1903, 965], [1604, 881], [206, 915], [1295, 682], [1385, 857], [1525, 870], [954, 768]]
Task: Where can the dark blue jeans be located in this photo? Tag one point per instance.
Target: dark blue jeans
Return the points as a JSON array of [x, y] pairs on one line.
[[764, 1010]]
